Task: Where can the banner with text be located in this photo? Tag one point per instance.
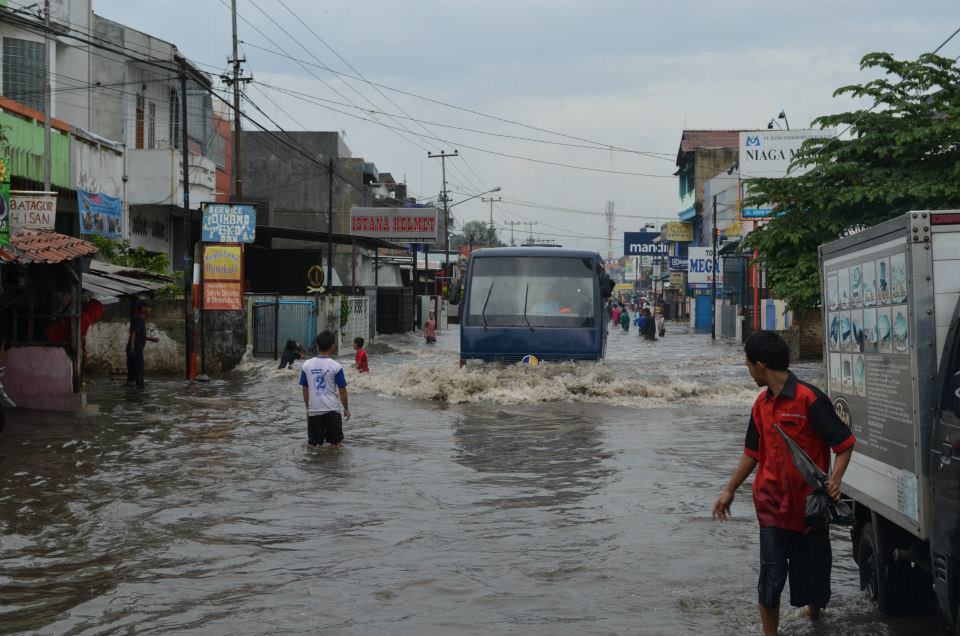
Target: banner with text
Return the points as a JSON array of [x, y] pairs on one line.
[[100, 214], [644, 244], [678, 232], [407, 225], [37, 210]]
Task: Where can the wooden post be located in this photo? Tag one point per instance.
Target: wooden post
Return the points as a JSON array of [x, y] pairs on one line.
[[76, 336]]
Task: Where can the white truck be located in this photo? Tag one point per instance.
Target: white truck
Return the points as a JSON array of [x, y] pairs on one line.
[[892, 357]]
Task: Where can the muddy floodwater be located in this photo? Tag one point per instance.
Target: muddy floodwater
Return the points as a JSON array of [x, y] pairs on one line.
[[564, 499]]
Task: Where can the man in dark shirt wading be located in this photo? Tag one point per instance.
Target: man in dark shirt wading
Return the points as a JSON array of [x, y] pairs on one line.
[[135, 344], [787, 546]]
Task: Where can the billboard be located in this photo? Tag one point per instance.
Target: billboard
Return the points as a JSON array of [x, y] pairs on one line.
[[100, 214], [409, 225], [700, 268], [678, 232], [644, 244], [768, 153], [228, 223], [36, 210], [223, 277]]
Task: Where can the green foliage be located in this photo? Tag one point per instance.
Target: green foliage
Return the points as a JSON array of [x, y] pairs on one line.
[[344, 311], [122, 253], [904, 155], [476, 233]]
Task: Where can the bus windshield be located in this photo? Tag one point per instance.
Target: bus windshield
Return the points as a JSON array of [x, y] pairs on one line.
[[533, 291]]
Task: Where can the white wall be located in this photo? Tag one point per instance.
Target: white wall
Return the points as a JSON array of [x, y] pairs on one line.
[[154, 178]]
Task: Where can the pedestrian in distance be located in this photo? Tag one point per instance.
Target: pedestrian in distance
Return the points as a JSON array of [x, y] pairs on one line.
[[639, 321], [360, 361], [615, 314], [324, 392], [788, 548], [430, 329], [649, 325], [292, 351], [625, 320], [136, 342], [661, 324]]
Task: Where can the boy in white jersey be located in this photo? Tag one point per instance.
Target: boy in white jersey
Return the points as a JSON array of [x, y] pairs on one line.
[[324, 390]]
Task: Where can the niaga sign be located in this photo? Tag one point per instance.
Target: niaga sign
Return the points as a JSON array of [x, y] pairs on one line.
[[768, 153], [643, 244], [409, 225]]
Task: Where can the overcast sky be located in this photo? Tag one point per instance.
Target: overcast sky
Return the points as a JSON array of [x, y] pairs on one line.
[[631, 74]]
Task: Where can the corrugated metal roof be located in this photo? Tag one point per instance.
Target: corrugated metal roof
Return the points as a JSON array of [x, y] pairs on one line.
[[44, 246]]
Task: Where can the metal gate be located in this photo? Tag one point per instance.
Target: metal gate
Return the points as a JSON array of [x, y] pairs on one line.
[[275, 322], [358, 322]]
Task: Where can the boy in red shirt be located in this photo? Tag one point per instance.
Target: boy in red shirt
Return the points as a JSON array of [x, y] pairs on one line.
[[787, 546], [360, 362]]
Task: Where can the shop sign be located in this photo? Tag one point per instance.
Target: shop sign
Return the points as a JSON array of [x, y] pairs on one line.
[[677, 263], [677, 279], [223, 277], [678, 232], [700, 268], [37, 210], [229, 223], [100, 214], [410, 225]]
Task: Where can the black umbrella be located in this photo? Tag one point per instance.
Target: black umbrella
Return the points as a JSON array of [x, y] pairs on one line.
[[820, 507]]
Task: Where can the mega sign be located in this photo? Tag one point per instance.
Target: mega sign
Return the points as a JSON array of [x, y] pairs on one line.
[[37, 210], [228, 223], [642, 244], [412, 225], [701, 268], [768, 153]]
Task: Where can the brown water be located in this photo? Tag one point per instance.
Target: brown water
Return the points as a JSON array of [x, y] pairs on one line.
[[197, 508]]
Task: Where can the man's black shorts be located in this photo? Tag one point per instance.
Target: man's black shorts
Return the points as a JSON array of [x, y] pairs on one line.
[[326, 427], [806, 558]]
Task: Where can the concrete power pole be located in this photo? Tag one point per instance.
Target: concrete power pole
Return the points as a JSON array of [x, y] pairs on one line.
[[235, 80], [512, 224], [611, 228], [442, 156], [47, 159], [491, 201]]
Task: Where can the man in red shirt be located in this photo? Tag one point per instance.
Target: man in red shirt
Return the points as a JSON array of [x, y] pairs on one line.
[[360, 361], [787, 545]]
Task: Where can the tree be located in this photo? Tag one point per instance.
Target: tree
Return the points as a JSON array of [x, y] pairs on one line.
[[124, 254], [902, 155], [476, 233]]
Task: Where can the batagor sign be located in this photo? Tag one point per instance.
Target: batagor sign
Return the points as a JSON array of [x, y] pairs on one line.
[[408, 225], [37, 210]]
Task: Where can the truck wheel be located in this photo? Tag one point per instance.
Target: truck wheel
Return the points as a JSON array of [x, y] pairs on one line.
[[877, 571]]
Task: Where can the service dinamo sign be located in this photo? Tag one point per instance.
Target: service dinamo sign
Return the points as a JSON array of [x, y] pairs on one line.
[[229, 223], [408, 225]]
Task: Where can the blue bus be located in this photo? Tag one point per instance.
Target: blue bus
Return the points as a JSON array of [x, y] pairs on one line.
[[541, 301]]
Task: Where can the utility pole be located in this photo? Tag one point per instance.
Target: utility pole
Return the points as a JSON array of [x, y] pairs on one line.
[[512, 224], [330, 171], [491, 201], [530, 224], [47, 159], [235, 80], [713, 268], [442, 156], [187, 229]]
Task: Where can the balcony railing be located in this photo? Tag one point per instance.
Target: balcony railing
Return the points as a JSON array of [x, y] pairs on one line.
[[687, 201]]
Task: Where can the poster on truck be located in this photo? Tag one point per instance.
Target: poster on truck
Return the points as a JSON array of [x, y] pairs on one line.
[[868, 363]]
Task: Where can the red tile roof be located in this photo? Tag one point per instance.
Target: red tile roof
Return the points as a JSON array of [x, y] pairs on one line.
[[691, 139], [44, 246]]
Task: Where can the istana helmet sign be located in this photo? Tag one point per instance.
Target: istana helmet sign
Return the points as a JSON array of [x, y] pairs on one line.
[[408, 225]]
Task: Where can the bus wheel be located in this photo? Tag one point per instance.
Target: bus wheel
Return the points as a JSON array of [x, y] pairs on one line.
[[878, 571]]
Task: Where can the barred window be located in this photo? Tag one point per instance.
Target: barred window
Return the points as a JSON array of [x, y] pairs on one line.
[[23, 73]]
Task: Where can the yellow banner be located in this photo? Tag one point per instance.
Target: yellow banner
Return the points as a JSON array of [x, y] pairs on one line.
[[679, 231], [223, 262]]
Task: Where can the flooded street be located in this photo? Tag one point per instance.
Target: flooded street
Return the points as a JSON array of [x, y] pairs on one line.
[[565, 499]]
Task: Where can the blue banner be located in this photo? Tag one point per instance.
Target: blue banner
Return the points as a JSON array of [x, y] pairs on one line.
[[677, 263], [642, 244], [100, 214], [228, 223]]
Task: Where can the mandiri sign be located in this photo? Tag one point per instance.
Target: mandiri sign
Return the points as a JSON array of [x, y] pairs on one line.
[[228, 223], [408, 225], [644, 244]]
